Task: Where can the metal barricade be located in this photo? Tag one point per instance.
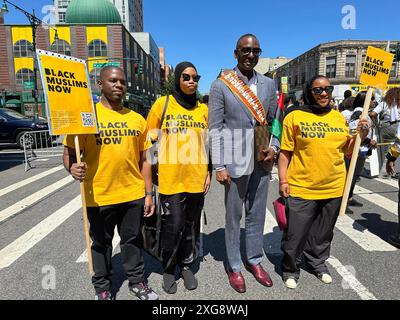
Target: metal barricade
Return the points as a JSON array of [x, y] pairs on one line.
[[41, 146]]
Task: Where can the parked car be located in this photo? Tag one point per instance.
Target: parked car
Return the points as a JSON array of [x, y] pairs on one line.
[[13, 125]]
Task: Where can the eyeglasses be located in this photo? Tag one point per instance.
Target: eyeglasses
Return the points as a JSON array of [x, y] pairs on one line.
[[246, 51], [319, 90], [186, 77]]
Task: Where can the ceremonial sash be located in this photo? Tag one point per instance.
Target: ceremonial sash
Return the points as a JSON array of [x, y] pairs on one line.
[[246, 95]]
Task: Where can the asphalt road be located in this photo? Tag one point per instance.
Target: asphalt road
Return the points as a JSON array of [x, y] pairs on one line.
[[42, 245]]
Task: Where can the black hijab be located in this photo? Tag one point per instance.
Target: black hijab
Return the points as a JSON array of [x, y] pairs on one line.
[[186, 101], [310, 105]]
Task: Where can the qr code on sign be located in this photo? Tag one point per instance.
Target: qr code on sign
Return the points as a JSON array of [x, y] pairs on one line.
[[87, 119]]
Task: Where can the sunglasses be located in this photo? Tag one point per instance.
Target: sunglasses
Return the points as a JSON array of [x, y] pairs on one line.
[[319, 90], [246, 51], [186, 77]]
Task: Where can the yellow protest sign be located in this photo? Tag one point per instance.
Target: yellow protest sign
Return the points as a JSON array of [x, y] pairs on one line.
[[376, 68], [66, 87]]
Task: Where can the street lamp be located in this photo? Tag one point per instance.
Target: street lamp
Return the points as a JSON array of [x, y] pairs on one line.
[[34, 22]]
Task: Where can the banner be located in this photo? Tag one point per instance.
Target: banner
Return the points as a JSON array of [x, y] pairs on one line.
[[376, 68], [66, 86]]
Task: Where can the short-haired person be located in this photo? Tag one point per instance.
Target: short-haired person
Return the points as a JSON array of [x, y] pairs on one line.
[[183, 174], [118, 185], [347, 94], [312, 176], [232, 127]]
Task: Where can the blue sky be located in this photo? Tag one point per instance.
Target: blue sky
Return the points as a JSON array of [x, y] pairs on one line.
[[205, 31]]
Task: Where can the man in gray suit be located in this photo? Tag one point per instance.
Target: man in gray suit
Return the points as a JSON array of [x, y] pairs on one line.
[[232, 150]]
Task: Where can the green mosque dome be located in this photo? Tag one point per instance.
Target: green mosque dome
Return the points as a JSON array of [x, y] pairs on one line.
[[92, 11]]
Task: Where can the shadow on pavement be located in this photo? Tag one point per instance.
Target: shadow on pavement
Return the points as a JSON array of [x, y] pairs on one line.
[[373, 223], [10, 160]]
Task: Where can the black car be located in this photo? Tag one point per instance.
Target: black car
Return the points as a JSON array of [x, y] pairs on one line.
[[13, 125]]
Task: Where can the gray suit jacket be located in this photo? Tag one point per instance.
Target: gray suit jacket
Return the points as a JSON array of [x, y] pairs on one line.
[[232, 126]]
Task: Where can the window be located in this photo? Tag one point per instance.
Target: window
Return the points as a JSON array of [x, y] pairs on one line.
[[331, 67], [24, 75], [350, 68], [393, 70], [97, 48], [94, 76], [23, 48], [63, 3], [61, 46], [61, 16]]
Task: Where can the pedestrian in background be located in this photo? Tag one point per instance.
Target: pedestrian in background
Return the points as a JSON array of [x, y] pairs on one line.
[[118, 186], [312, 176], [391, 157], [183, 182]]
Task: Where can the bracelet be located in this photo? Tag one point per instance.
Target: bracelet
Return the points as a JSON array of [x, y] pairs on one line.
[[150, 193], [283, 182]]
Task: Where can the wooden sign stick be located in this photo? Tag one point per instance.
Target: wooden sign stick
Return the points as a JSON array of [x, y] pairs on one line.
[[84, 210], [354, 156]]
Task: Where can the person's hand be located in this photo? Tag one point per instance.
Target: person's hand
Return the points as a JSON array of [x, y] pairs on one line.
[[148, 206], [363, 128], [223, 177], [207, 183], [78, 172], [284, 189], [269, 154], [373, 144], [390, 168]]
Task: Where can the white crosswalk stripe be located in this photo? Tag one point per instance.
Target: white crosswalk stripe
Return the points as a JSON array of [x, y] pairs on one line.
[[34, 198], [25, 182], [376, 199], [28, 240]]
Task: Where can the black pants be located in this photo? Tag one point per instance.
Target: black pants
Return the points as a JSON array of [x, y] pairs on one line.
[[357, 171], [127, 217], [180, 233], [309, 234]]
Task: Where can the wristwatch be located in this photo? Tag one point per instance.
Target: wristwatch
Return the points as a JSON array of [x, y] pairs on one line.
[[276, 149], [150, 193]]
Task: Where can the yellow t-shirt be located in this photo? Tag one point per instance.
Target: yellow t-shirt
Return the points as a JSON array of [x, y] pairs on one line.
[[183, 159], [316, 170], [112, 156]]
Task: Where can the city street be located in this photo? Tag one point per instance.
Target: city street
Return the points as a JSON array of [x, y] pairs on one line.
[[42, 247]]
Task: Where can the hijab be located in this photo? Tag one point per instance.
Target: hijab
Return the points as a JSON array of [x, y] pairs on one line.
[[310, 105], [186, 101]]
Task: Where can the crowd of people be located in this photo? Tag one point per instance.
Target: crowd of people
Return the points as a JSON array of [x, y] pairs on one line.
[[224, 133]]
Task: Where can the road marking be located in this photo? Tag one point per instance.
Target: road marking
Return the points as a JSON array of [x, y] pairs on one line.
[[376, 199], [34, 198], [83, 257], [361, 235], [34, 178], [28, 240], [351, 280], [273, 247], [389, 182]]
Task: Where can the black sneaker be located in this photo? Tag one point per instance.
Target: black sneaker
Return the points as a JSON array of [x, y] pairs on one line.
[[189, 280], [142, 291], [394, 241], [105, 295], [354, 203]]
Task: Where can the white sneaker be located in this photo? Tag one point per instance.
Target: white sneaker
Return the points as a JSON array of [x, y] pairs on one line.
[[291, 283], [325, 278]]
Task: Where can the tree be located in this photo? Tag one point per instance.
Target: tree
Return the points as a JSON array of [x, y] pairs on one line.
[[168, 85]]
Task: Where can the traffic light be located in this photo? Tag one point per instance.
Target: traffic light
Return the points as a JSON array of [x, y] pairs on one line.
[[140, 70]]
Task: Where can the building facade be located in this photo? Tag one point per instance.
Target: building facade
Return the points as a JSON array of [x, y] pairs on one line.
[[97, 44], [340, 61], [268, 65], [130, 11]]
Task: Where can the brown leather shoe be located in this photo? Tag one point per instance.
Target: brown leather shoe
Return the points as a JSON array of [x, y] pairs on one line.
[[236, 280], [260, 274]]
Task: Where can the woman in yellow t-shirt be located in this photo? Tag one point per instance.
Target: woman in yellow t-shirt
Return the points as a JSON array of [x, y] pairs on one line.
[[312, 176], [183, 174]]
